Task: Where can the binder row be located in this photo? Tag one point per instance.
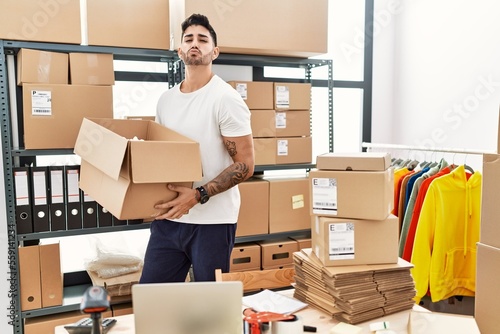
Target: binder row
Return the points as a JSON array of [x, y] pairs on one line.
[[48, 198]]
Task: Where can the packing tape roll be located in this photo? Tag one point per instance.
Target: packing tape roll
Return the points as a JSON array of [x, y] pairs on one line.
[[294, 326]]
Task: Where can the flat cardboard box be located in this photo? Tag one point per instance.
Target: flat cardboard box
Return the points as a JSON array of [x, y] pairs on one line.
[[356, 161], [51, 275], [41, 21], [91, 69], [490, 215], [357, 195], [238, 30], [289, 204], [487, 288], [292, 96], [44, 67], [283, 123], [346, 241], [116, 286], [245, 256], [53, 113], [29, 278], [277, 253], [138, 24], [117, 172], [47, 324], [256, 94], [253, 218]]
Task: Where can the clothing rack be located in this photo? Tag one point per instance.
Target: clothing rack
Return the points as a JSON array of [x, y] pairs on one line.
[[420, 148]]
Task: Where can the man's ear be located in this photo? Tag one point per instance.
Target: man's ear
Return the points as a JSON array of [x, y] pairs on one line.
[[215, 53]]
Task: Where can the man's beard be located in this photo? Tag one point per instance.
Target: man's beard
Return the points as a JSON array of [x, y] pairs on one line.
[[203, 60]]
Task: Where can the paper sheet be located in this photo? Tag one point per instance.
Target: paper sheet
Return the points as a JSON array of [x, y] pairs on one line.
[[271, 301]]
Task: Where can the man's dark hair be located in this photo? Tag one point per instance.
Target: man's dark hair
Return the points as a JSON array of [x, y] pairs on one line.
[[199, 20]]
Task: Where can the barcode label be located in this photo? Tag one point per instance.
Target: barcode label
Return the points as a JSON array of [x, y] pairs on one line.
[[41, 103], [341, 241]]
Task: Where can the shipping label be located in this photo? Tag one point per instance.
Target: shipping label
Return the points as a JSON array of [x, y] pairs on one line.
[[324, 195], [341, 241], [41, 103]]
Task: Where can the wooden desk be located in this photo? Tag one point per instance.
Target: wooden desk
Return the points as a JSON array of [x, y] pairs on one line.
[[323, 322]]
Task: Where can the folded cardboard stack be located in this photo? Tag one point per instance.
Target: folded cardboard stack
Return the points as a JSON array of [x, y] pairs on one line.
[[353, 294]]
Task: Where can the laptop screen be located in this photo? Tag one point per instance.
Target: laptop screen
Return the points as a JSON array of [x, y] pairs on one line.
[[188, 308]]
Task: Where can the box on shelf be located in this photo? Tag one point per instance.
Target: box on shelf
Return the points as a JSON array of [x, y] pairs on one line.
[[41, 21], [288, 204], [346, 241], [358, 195], [357, 161], [91, 69], [490, 216], [277, 253], [118, 173], [44, 67], [232, 19], [51, 275], [292, 96], [122, 309], [116, 286], [253, 218], [487, 288], [48, 323], [144, 24], [287, 150], [283, 123], [264, 151], [303, 242], [256, 94], [245, 256], [29, 278], [52, 114]]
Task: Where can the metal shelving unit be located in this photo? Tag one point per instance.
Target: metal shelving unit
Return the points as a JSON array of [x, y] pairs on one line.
[[12, 155]]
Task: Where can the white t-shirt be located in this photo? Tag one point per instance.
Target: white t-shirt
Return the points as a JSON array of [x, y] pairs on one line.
[[206, 115]]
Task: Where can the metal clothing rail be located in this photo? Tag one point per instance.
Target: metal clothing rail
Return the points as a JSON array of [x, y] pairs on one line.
[[420, 148]]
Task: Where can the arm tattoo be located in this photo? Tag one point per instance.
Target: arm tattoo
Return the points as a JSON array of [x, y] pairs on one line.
[[231, 147], [230, 177]]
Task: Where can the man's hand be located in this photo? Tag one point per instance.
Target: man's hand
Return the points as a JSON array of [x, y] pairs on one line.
[[179, 206]]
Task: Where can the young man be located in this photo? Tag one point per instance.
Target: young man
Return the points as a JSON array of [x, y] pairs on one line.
[[198, 227]]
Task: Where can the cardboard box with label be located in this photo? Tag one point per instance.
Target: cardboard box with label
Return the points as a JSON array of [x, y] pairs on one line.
[[52, 114], [245, 256], [490, 215], [289, 204], [487, 288], [91, 69], [44, 67], [282, 123], [276, 151], [292, 96], [118, 171], [256, 94], [345, 241], [357, 189], [275, 254], [253, 218]]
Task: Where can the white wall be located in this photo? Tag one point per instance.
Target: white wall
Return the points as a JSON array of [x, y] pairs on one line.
[[437, 74]]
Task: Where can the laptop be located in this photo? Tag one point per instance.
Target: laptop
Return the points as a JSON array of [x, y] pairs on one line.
[[188, 308]]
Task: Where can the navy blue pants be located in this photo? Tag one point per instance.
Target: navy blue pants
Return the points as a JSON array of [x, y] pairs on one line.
[[173, 247]]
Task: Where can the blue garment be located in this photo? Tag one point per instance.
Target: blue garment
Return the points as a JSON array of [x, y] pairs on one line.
[[174, 246], [410, 184]]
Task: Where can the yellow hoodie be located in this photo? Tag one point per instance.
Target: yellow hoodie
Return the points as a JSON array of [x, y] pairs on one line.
[[444, 251]]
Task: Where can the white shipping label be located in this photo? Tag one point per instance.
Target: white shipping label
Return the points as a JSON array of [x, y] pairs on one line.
[[341, 241], [324, 195], [242, 89], [41, 103], [283, 147], [282, 97], [280, 120]]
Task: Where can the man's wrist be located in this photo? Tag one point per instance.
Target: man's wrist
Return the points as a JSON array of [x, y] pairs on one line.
[[197, 195]]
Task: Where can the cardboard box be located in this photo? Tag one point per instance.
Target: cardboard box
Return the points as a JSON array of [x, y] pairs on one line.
[[47, 324], [303, 242], [122, 309], [117, 172], [289, 204], [138, 24], [277, 253], [29, 278], [53, 113], [253, 218], [256, 94], [293, 150], [357, 161], [292, 96], [264, 151], [91, 69], [283, 123], [346, 241], [238, 31], [41, 21], [245, 256], [116, 286], [490, 215], [358, 195], [51, 275], [487, 288], [36, 66]]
